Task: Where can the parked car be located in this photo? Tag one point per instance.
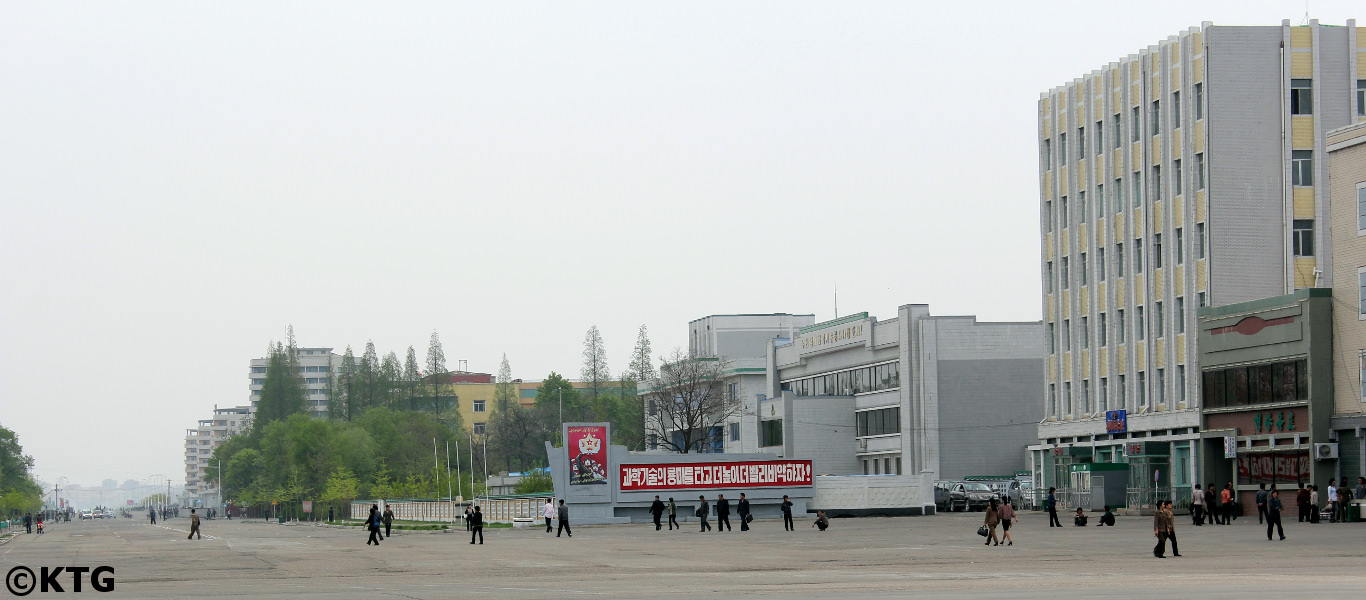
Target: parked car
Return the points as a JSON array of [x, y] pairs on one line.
[[1005, 488], [975, 495], [942, 497]]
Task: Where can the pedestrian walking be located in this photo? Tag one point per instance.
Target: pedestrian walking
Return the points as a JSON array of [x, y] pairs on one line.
[[657, 511], [1197, 506], [703, 510], [1261, 503], [1273, 515], [329, 515], [372, 524], [548, 512], [388, 519], [742, 511], [1161, 529], [722, 513], [1212, 504], [1051, 503], [1171, 527], [1332, 500], [673, 515], [468, 514], [153, 513], [1313, 504], [564, 521], [786, 507], [1007, 516], [477, 525], [822, 522], [28, 523], [993, 519], [1226, 496], [1302, 503], [194, 526]]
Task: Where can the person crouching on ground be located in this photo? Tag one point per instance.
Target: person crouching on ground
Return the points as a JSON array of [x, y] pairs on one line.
[[822, 521], [1107, 519], [1079, 519]]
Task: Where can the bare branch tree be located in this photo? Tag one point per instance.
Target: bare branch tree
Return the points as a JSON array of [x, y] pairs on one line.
[[687, 397]]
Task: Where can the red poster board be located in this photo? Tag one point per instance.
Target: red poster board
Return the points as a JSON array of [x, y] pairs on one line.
[[711, 475], [587, 449]]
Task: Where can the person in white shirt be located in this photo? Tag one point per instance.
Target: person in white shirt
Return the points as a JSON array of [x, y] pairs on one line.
[[1332, 500], [548, 512]]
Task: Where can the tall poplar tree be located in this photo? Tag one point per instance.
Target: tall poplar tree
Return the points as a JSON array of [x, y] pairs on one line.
[[369, 376], [595, 371], [412, 375], [642, 367], [283, 392], [436, 366]]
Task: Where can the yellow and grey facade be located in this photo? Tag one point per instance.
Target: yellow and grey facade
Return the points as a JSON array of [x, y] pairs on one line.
[[1189, 174], [1347, 190]]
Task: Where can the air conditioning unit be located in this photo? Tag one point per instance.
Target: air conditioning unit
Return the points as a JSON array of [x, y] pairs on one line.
[[1327, 451]]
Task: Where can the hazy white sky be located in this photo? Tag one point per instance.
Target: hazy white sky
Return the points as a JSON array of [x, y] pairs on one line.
[[180, 181]]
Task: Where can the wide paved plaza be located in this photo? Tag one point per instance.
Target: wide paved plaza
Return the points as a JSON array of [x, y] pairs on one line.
[[939, 556]]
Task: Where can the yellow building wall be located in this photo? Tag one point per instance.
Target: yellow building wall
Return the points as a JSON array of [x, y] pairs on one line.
[[1304, 203], [1302, 130], [1301, 37]]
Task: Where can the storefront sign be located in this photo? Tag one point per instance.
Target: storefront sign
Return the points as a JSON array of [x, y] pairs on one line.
[[1261, 422], [835, 336], [587, 450], [1277, 420], [1230, 447], [777, 473], [1274, 467], [1116, 421]]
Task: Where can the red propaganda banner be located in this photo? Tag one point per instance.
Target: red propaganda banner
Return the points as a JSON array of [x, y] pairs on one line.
[[777, 473], [1277, 467], [587, 448]]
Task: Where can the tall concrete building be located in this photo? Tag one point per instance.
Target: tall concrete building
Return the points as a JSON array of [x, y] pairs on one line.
[[316, 366], [1188, 174], [1347, 183], [200, 443]]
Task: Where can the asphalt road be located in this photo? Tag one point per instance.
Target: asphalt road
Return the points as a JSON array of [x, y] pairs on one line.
[[938, 556]]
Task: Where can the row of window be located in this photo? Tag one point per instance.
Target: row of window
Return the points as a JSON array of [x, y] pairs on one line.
[[1121, 401], [1303, 168], [847, 383], [881, 466], [1117, 128], [1257, 384], [1121, 326], [1158, 256], [881, 421], [771, 433], [320, 369]]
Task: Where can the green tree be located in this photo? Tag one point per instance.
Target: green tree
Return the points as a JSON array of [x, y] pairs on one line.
[[436, 367], [391, 377], [19, 492], [342, 487], [595, 371], [283, 393], [412, 374], [513, 431], [535, 482], [370, 376], [558, 402], [642, 366], [341, 388]]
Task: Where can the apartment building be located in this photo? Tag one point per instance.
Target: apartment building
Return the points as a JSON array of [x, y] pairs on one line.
[[201, 441], [1347, 190], [1191, 173], [316, 366]]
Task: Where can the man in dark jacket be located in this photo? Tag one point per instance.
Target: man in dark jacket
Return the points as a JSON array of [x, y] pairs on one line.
[[657, 510], [1273, 514], [388, 519], [372, 523], [1051, 503], [702, 511], [28, 523], [722, 513], [786, 507], [1302, 503], [477, 525], [742, 510], [1261, 504], [564, 521]]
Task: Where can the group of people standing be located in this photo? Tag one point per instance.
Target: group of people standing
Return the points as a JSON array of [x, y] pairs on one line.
[[742, 510], [376, 520], [1213, 507]]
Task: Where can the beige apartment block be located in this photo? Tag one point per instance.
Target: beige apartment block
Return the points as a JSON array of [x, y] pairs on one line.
[[1191, 173], [1347, 197]]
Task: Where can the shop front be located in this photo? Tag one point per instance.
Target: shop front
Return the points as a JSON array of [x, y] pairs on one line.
[[1267, 394]]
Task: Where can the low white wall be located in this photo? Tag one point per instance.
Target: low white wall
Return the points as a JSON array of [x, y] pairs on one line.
[[874, 494]]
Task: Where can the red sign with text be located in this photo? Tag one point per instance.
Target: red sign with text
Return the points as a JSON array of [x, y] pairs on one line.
[[587, 455], [777, 473]]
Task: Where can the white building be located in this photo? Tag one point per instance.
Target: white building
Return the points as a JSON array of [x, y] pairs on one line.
[[199, 446], [316, 366]]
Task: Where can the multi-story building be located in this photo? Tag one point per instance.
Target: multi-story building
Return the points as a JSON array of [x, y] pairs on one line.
[[1347, 191], [316, 366], [741, 341], [200, 443], [1191, 173]]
